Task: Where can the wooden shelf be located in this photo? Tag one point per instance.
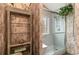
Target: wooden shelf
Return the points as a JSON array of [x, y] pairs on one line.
[[20, 44], [21, 33], [20, 23]]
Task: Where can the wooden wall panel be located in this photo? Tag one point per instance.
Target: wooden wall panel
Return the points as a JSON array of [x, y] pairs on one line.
[[35, 8], [2, 31], [23, 6]]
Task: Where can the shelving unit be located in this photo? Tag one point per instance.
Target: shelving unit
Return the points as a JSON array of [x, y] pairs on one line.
[[19, 31]]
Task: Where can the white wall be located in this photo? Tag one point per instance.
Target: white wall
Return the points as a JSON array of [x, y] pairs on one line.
[[54, 6]]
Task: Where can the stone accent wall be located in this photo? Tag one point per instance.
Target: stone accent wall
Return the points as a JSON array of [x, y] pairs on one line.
[[70, 42], [73, 32], [76, 24]]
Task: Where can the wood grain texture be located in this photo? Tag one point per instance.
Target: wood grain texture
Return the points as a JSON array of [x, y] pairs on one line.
[[2, 30], [3, 34], [35, 26], [20, 26], [18, 31], [35, 8]]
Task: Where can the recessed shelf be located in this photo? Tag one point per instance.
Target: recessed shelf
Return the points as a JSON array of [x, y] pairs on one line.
[[18, 31]]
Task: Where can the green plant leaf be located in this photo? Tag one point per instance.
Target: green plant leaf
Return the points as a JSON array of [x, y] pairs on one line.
[[66, 10]]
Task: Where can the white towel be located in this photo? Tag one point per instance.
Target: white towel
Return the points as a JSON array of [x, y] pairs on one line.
[[44, 46]]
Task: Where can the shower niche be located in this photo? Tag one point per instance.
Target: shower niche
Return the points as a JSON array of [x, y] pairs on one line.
[[19, 38]]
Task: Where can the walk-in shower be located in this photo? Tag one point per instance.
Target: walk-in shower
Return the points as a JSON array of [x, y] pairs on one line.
[[53, 33]]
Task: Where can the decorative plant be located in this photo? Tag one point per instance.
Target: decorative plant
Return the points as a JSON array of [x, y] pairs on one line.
[[66, 10]]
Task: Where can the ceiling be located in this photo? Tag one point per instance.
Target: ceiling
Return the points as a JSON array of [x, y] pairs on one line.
[[54, 6]]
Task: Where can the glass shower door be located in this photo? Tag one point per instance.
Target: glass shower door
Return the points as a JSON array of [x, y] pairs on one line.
[[53, 34], [58, 33]]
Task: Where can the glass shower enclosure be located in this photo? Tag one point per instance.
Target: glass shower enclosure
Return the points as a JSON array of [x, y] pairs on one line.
[[53, 33]]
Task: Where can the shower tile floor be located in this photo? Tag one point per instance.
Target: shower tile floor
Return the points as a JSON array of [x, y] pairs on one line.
[[54, 51]]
